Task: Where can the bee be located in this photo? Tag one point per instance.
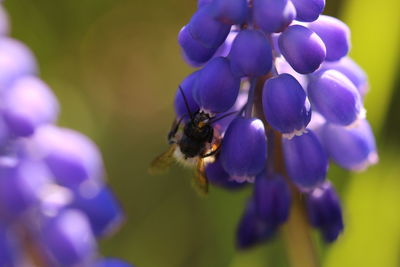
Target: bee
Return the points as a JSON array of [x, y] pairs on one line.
[[193, 146]]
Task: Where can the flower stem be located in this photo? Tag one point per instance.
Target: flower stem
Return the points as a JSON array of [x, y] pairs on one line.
[[296, 232], [250, 99]]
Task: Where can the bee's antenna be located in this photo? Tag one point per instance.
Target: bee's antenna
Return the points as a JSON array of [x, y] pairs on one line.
[[228, 114], [186, 102], [224, 116]]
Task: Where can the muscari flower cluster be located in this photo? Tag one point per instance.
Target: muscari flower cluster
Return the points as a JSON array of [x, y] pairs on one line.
[[54, 202], [311, 95]]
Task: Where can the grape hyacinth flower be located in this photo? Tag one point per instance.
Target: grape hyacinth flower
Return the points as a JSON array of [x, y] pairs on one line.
[[304, 107], [54, 201]]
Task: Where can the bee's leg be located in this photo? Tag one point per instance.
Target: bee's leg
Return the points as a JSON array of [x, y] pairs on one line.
[[174, 130], [212, 153]]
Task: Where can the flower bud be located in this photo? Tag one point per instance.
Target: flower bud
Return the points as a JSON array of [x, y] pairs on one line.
[[273, 15], [351, 148], [352, 71], [251, 54], [103, 220], [335, 35], [302, 48], [305, 160], [272, 198], [285, 104], [194, 52], [251, 229], [71, 157], [324, 211], [230, 11], [334, 96], [308, 10], [15, 60], [206, 30], [216, 87], [27, 104], [217, 176], [244, 149], [21, 183], [68, 239]]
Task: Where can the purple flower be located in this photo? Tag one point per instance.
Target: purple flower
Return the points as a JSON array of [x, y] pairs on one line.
[[251, 229], [272, 198], [68, 239], [27, 104], [244, 149], [251, 54], [273, 15], [71, 157], [334, 96], [216, 87], [230, 11], [335, 35], [286, 106], [351, 148], [306, 160], [302, 48], [308, 10], [16, 60], [325, 212]]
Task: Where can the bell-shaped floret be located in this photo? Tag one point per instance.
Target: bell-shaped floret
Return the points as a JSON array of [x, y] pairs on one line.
[[217, 176], [217, 87], [302, 48], [73, 159], [305, 159], [244, 149], [272, 198], [15, 60], [325, 212], [251, 229], [102, 209], [68, 239], [21, 183], [285, 104], [334, 96], [351, 148], [308, 10], [273, 15], [194, 52], [352, 71], [27, 104], [206, 30], [251, 54], [230, 11], [335, 35]]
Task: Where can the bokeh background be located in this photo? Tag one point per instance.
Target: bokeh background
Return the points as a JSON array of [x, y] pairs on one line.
[[115, 65]]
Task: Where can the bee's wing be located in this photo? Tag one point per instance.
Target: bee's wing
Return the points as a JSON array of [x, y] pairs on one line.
[[200, 181], [161, 163]]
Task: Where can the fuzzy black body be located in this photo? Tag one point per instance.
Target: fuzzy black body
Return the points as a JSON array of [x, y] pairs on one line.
[[195, 137]]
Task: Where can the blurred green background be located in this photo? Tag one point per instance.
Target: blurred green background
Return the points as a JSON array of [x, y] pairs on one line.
[[115, 65]]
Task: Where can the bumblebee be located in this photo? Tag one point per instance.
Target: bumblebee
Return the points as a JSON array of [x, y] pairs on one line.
[[192, 146]]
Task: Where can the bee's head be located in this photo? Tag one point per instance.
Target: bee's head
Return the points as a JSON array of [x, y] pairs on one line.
[[201, 119]]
